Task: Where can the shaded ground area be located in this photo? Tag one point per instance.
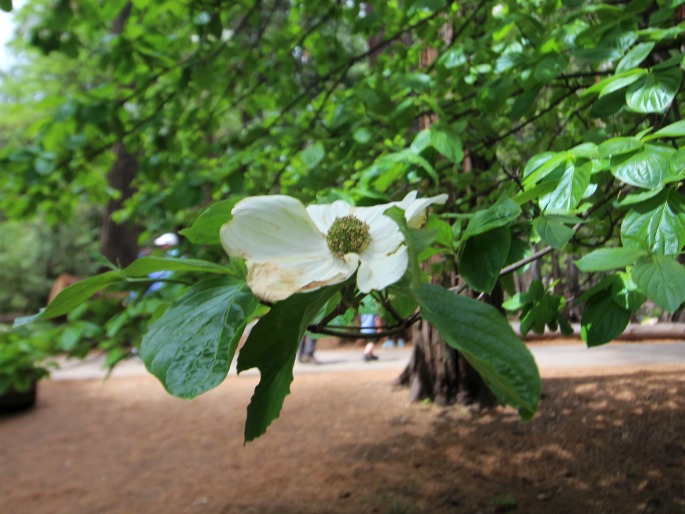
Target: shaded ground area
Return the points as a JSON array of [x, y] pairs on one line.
[[606, 441]]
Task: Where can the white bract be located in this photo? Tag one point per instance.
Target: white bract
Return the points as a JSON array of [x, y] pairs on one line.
[[291, 249]]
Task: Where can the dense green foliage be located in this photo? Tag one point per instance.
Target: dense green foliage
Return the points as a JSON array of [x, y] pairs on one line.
[[34, 253], [555, 128]]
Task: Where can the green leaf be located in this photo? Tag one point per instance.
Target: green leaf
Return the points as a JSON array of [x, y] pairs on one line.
[[621, 83], [444, 142], [362, 135], [633, 58], [656, 225], [447, 144], [272, 347], [676, 129], [74, 295], [523, 103], [191, 346], [654, 92], [648, 168], [626, 294], [553, 231], [618, 146], [608, 104], [661, 278], [678, 165], [534, 172], [585, 151], [145, 265], [485, 339], [410, 239], [550, 67], [205, 229], [536, 191], [603, 319], [501, 213], [615, 82], [569, 191], [6, 5], [609, 258], [483, 257], [313, 155]]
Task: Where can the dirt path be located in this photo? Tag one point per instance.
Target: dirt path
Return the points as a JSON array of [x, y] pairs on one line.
[[608, 441]]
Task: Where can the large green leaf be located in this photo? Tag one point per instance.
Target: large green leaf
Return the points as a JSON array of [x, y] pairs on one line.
[[448, 144], [605, 259], [618, 146], [653, 93], [657, 225], [6, 5], [661, 278], [503, 212], [272, 347], [74, 295], [676, 129], [542, 165], [603, 319], [485, 339], [553, 230], [191, 346], [648, 168], [615, 82], [569, 191], [206, 228], [146, 265], [483, 257], [636, 55]]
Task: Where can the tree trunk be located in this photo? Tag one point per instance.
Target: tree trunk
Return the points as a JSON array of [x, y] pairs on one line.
[[119, 242], [442, 375], [437, 372]]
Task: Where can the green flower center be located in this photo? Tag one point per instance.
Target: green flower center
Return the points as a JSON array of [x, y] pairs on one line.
[[348, 235]]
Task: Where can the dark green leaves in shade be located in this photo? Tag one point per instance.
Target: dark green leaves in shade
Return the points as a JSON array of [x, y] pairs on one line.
[[272, 347], [539, 308], [483, 257], [191, 346], [603, 319], [485, 339]]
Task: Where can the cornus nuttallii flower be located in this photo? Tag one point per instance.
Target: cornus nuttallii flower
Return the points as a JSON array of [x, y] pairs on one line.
[[290, 248]]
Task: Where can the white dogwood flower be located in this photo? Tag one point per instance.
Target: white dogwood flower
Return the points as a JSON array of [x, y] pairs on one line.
[[290, 249]]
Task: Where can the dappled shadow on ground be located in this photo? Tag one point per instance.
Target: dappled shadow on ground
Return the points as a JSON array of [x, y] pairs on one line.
[[347, 443], [601, 444]]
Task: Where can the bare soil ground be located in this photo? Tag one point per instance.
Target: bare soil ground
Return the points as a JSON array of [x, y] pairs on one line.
[[608, 441]]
